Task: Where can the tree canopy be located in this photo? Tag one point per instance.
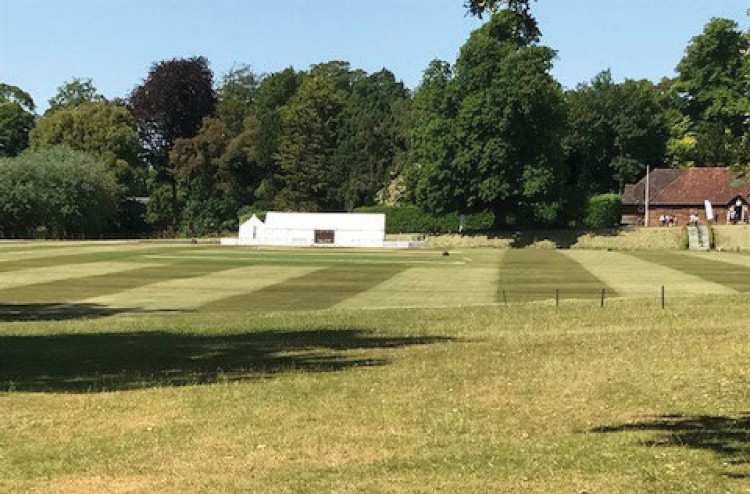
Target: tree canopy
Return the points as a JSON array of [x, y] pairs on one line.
[[102, 128], [491, 133], [16, 119], [56, 192]]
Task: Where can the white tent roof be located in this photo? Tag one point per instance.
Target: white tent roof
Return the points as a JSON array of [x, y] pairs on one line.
[[325, 221]]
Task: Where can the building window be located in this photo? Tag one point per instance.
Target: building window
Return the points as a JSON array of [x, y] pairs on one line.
[[325, 237]]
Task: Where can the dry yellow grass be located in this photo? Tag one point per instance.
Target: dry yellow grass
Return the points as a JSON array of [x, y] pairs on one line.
[[540, 400]]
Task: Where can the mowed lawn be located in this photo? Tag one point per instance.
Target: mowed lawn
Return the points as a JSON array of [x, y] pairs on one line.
[[143, 277], [136, 367]]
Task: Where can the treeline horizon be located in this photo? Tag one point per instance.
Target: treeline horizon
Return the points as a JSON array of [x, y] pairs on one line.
[[491, 132]]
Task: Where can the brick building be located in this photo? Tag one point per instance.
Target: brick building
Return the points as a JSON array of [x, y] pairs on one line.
[[680, 193]]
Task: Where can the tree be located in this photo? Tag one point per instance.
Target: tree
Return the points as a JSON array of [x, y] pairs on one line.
[[104, 129], [16, 119], [274, 94], [63, 192], [308, 141], [219, 174], [235, 97], [480, 8], [171, 104], [614, 132], [504, 145], [75, 92], [371, 139], [712, 87]]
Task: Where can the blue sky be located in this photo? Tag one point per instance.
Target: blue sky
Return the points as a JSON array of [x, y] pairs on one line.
[[45, 42]]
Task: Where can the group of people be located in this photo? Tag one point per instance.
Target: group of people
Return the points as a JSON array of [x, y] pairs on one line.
[[667, 220]]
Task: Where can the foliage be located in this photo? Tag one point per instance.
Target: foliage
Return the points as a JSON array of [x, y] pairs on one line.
[[247, 212], [411, 219], [235, 97], [66, 192], [105, 129], [308, 141], [522, 8], [614, 132], [75, 92], [713, 93], [16, 119], [218, 172], [371, 139], [603, 211], [171, 104], [495, 143]]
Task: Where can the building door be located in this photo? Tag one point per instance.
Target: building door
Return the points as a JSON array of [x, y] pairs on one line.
[[324, 237]]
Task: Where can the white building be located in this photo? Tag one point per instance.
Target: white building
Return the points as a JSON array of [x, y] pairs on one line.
[[311, 229]]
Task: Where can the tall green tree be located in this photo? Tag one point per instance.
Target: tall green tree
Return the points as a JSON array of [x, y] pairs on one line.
[[432, 136], [712, 86], [614, 132], [170, 104], [371, 139], [235, 97], [104, 129], [16, 119], [263, 130], [506, 153], [308, 141]]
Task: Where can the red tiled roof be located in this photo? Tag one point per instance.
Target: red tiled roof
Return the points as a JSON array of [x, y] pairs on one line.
[[660, 178], [696, 185], [689, 187]]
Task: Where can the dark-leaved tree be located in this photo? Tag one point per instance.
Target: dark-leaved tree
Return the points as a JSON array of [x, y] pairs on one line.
[[171, 104]]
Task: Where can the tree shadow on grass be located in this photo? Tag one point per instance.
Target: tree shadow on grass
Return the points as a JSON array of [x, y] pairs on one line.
[[562, 238], [727, 436], [95, 362], [59, 311]]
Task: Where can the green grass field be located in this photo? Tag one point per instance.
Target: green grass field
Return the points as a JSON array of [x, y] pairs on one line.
[[138, 367]]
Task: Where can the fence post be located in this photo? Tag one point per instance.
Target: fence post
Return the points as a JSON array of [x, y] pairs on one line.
[[663, 301], [557, 297], [505, 299], [602, 301]]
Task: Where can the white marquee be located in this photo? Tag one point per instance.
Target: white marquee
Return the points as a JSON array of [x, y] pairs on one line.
[[311, 229]]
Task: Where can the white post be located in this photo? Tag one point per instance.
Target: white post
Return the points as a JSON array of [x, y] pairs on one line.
[[648, 190]]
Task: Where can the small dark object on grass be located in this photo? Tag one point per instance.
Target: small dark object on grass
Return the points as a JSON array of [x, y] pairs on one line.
[[446, 253]]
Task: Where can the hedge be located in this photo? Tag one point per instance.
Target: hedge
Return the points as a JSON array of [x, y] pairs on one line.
[[603, 211], [411, 219]]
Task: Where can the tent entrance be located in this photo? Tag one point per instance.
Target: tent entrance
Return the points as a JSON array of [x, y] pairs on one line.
[[324, 237]]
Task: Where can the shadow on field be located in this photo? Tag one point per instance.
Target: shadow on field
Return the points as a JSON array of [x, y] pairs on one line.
[[728, 437], [562, 239], [57, 311], [118, 361]]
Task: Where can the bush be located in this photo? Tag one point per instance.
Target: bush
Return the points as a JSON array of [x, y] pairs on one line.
[[58, 193], [411, 219], [603, 211]]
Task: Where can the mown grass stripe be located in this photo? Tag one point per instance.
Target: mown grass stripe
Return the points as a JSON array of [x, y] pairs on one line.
[[189, 293], [76, 289], [630, 276], [79, 256], [528, 275], [319, 289], [431, 287], [36, 276], [734, 276]]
